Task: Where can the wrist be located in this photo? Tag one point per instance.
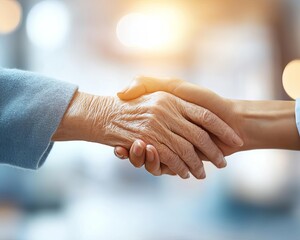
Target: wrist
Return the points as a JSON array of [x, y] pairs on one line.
[[84, 119], [267, 124], [246, 124]]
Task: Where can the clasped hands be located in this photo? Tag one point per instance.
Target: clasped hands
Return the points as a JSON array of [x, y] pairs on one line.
[[194, 124], [170, 126]]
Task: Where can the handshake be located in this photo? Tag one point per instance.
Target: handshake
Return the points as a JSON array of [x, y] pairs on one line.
[[172, 126]]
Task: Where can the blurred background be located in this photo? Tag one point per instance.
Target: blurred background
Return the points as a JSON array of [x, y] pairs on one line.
[[238, 48]]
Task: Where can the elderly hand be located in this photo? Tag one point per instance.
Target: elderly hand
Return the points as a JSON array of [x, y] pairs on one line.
[[162, 120], [189, 92]]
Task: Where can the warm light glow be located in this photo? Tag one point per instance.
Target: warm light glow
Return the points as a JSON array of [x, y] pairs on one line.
[[161, 29], [48, 24], [10, 15], [291, 79]]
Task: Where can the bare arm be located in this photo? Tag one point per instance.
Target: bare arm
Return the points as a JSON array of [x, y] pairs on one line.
[[268, 124]]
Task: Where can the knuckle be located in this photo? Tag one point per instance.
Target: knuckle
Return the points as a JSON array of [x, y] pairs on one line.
[[173, 84], [151, 120], [202, 138], [187, 151], [161, 97], [155, 109], [156, 95], [207, 117], [151, 124], [224, 132], [139, 79]]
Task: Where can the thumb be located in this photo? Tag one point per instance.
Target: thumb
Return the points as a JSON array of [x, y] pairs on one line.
[[135, 90], [144, 85]]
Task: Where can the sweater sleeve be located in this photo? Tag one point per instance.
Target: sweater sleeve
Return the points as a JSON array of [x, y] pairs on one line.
[[31, 108]]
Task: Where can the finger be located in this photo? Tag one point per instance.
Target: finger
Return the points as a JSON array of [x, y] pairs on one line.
[[152, 163], [204, 158], [134, 91], [166, 170], [173, 161], [227, 150], [137, 153], [213, 124], [143, 85], [186, 152], [196, 136], [121, 152], [202, 141]]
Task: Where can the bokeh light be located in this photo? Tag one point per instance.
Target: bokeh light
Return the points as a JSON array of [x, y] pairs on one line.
[[48, 24], [10, 16], [291, 79], [235, 48], [156, 30]]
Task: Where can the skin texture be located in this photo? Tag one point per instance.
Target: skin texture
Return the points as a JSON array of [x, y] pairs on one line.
[[260, 124], [172, 127]]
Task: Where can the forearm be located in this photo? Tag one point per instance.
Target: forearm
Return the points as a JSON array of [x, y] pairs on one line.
[[261, 124], [267, 124]]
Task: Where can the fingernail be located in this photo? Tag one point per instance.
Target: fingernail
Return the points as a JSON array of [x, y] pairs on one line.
[[150, 155], [138, 149], [223, 164], [238, 141], [203, 175], [124, 90], [187, 176], [118, 155]]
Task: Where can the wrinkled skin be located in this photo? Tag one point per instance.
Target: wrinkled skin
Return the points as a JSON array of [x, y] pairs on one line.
[[189, 92], [168, 124]]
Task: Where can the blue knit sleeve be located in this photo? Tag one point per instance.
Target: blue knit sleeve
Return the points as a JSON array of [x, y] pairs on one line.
[[31, 108]]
